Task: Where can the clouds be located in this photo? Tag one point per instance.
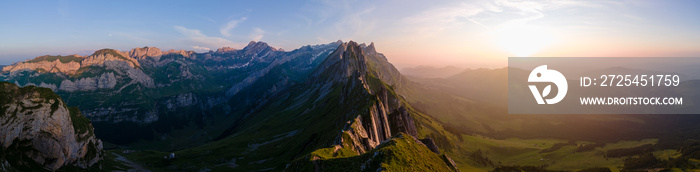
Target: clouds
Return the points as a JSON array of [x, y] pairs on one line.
[[442, 18], [257, 34], [202, 42], [226, 29], [196, 36], [198, 48], [487, 14], [341, 19]]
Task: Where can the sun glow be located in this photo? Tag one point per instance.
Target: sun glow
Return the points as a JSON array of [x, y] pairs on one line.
[[523, 40]]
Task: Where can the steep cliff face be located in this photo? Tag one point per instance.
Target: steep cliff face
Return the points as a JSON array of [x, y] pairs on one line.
[[55, 66], [77, 73], [384, 116], [37, 130], [376, 115], [100, 57], [380, 127]]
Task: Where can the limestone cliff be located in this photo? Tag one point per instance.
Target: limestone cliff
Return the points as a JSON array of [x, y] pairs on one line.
[[377, 117], [383, 117], [37, 131], [54, 64], [71, 65], [100, 57]]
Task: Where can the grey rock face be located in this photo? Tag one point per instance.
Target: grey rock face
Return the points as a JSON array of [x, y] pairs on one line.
[[182, 100], [38, 127], [384, 118], [403, 122], [140, 53], [428, 142], [134, 73], [141, 85], [105, 81]]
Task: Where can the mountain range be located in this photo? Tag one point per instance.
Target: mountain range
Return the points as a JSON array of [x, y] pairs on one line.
[[340, 106], [149, 89], [339, 95]]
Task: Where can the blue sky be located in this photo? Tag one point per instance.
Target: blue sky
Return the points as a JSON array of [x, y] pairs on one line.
[[461, 33]]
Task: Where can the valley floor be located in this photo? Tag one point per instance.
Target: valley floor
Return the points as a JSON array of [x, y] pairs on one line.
[[552, 154]]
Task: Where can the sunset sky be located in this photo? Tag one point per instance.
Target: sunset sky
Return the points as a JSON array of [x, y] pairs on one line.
[[410, 33]]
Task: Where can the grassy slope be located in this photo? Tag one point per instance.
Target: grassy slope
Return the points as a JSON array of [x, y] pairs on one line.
[[528, 152], [293, 125], [269, 139], [401, 153], [63, 59], [517, 135]]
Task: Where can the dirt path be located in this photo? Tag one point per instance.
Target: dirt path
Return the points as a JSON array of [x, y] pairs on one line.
[[134, 167]]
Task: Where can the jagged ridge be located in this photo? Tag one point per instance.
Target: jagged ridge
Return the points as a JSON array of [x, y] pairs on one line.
[[161, 91], [385, 114]]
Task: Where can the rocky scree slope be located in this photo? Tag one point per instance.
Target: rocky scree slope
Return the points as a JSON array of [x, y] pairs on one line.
[[38, 131]]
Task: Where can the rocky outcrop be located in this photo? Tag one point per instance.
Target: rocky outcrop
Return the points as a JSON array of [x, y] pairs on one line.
[[401, 121], [223, 50], [182, 100], [104, 81], [258, 47], [378, 115], [383, 118], [134, 74], [70, 65], [140, 53], [54, 66], [38, 130], [262, 53], [430, 143], [367, 131], [155, 53], [180, 52], [104, 55]]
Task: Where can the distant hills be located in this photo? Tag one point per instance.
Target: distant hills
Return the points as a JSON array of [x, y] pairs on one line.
[[431, 72]]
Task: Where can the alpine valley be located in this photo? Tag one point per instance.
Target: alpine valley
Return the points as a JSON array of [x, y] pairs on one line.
[[340, 106]]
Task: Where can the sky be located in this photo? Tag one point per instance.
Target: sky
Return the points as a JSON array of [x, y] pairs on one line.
[[410, 33]]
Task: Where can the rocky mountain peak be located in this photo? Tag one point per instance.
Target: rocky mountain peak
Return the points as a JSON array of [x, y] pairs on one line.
[[379, 115], [47, 63], [107, 51], [252, 45], [371, 48], [144, 52], [104, 55], [180, 52], [225, 50], [347, 60]]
